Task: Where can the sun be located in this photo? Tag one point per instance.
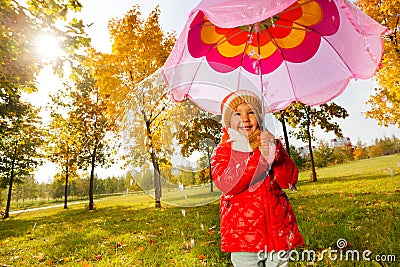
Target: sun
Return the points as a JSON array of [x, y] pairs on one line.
[[48, 47]]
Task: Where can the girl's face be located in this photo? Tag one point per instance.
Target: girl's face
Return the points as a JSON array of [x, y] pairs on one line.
[[244, 120]]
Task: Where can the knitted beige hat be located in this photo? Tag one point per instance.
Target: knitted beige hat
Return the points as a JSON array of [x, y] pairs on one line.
[[234, 99]]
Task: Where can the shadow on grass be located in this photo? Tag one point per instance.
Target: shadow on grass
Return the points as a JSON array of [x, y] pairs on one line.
[[132, 234]]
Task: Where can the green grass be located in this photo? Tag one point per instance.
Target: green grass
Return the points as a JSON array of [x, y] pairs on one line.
[[358, 201]]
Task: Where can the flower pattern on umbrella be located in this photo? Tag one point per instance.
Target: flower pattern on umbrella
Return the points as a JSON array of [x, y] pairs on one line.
[[294, 35]]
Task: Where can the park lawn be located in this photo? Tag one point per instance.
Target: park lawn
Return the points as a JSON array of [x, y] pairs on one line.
[[357, 202]]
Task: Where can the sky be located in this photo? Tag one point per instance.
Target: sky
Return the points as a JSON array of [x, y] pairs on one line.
[[173, 17]]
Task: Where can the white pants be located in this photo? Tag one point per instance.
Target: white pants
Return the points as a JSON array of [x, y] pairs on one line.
[[251, 259]]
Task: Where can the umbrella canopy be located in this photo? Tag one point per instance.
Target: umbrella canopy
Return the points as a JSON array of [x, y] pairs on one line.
[[285, 50]]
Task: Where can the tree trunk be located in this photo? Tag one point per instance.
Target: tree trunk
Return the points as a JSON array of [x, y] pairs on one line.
[[285, 134], [7, 211], [91, 181], [313, 172], [157, 179], [66, 187], [209, 166]]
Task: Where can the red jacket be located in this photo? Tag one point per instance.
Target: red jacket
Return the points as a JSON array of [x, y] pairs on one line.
[[255, 211]]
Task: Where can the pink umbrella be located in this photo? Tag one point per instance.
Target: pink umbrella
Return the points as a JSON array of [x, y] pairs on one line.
[[285, 50]]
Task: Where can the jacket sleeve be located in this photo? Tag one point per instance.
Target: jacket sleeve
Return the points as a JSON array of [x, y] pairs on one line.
[[284, 169], [234, 171]]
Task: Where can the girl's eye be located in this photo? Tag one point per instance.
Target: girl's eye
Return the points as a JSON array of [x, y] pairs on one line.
[[237, 113], [251, 112]]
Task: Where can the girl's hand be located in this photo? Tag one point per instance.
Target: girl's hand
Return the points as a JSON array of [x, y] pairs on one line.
[[267, 146]]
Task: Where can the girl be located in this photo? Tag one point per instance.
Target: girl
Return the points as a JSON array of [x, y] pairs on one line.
[[250, 167]]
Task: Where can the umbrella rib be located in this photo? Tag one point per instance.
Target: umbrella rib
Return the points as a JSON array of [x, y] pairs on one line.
[[261, 80], [295, 28], [241, 64], [269, 36], [224, 39], [309, 29], [219, 42], [243, 56]]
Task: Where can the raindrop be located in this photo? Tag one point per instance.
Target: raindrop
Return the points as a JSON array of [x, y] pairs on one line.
[[280, 233], [252, 53], [390, 172], [183, 212], [265, 84], [254, 64], [290, 239], [333, 18], [202, 227], [250, 38]]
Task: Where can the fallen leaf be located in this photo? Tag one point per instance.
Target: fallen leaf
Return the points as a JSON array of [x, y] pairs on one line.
[[201, 257]]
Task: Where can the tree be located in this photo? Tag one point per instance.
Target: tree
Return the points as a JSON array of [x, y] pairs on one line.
[[63, 147], [281, 117], [18, 64], [19, 27], [20, 139], [143, 130], [386, 100], [201, 132], [343, 154], [89, 112], [360, 153], [384, 146], [139, 48], [323, 155], [303, 117], [57, 187], [27, 189], [297, 158]]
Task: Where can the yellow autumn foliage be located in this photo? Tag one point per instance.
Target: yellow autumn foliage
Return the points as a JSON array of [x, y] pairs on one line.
[[386, 100], [139, 48]]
